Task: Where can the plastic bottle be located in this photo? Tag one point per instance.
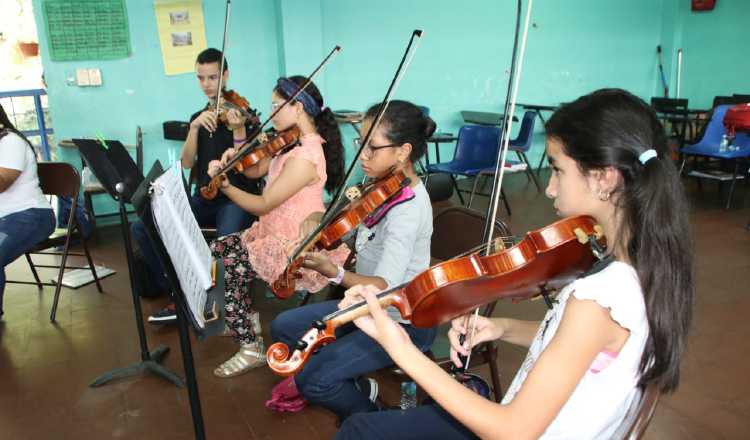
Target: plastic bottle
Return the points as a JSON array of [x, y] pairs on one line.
[[408, 395], [724, 144]]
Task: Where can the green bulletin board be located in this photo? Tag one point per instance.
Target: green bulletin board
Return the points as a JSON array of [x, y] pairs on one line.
[[87, 29]]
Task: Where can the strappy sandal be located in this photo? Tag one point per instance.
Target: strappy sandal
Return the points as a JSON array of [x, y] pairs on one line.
[[248, 357]]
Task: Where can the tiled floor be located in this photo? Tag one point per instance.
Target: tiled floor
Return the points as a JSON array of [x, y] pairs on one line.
[[45, 369]]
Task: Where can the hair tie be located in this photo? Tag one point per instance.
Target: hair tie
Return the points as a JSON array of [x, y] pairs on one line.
[[647, 155]]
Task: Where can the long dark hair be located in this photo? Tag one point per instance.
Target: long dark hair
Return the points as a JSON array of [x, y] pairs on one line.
[[611, 127], [328, 129], [404, 122], [8, 127]]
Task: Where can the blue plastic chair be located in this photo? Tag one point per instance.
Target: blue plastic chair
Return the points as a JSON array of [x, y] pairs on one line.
[[708, 147], [522, 143], [476, 150]]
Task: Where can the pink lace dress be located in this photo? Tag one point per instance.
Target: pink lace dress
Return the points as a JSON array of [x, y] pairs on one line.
[[267, 239]]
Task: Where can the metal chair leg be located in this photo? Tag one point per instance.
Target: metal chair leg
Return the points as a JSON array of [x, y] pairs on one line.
[[91, 263], [529, 172], [491, 355], [505, 200], [732, 185], [33, 271], [458, 191], [473, 190], [58, 287]]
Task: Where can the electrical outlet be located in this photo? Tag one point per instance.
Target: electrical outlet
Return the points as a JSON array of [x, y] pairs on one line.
[[95, 77], [82, 77]]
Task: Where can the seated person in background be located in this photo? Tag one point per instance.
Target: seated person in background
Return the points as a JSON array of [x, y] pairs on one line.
[[206, 141], [26, 217]]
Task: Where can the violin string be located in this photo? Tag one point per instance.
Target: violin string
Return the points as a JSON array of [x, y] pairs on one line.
[[507, 126]]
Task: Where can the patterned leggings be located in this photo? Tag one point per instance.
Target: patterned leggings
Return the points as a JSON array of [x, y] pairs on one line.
[[243, 321]]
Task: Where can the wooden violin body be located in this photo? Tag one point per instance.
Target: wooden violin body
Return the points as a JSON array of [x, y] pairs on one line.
[[232, 100], [375, 195], [545, 260], [250, 155]]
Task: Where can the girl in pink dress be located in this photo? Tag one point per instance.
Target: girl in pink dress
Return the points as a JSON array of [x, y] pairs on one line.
[[294, 189]]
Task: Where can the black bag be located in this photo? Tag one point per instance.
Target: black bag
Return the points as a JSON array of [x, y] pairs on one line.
[[145, 285]]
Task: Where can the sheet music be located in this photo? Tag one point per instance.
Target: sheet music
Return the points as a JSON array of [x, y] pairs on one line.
[[182, 237]]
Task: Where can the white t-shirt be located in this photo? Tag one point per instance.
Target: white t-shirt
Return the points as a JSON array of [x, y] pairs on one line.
[[601, 399], [24, 193]]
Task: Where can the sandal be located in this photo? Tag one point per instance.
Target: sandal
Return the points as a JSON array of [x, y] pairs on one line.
[[248, 357]]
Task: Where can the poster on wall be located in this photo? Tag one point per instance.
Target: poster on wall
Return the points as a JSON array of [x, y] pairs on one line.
[[86, 29], [181, 33]]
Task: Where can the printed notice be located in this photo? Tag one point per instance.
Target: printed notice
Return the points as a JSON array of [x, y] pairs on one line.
[[181, 33]]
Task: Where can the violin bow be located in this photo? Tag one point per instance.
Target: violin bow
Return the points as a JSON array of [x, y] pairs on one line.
[[510, 108], [330, 212], [230, 164], [221, 66]]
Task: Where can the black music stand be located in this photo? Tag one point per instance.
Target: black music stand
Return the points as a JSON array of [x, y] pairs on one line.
[[141, 200], [120, 177]]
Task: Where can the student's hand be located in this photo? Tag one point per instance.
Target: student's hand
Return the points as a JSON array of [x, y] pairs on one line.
[[207, 120], [235, 119], [213, 169], [483, 329], [377, 324], [228, 154], [320, 263]]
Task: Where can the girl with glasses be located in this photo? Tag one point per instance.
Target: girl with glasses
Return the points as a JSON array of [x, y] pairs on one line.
[[391, 249]]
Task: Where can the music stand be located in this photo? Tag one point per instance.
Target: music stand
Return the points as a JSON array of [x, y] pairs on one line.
[[120, 177], [141, 201]]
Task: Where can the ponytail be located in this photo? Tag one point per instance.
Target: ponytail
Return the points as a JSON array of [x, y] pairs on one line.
[[327, 128], [613, 128]]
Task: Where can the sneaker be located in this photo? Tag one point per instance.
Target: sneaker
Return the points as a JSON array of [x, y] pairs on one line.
[[369, 387], [166, 315]]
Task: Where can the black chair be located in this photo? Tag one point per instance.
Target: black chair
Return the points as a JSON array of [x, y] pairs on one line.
[[674, 112], [60, 179], [456, 230]]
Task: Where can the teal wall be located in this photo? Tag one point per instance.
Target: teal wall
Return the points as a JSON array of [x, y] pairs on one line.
[[574, 47], [715, 51], [136, 91]]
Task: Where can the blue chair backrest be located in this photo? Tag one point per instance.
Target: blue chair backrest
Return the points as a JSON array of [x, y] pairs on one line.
[[522, 142], [477, 146], [715, 129]]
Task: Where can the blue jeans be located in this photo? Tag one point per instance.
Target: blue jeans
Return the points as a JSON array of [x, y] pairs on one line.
[[19, 232], [428, 421], [224, 214], [328, 378]]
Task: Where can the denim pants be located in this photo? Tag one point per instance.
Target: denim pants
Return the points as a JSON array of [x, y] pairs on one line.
[[423, 422], [222, 213], [19, 232], [328, 378]]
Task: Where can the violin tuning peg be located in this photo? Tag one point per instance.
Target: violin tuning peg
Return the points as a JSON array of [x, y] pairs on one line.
[[598, 231], [583, 238]]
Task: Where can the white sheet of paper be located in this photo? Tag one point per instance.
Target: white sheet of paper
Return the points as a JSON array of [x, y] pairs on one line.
[[182, 237]]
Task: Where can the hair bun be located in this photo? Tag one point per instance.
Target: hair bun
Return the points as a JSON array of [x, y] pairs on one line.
[[430, 127]]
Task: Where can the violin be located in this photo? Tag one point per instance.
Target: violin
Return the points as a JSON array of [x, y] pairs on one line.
[[329, 237], [232, 100], [545, 260], [251, 154]]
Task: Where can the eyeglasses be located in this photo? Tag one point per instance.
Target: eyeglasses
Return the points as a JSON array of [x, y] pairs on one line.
[[276, 105], [371, 149]]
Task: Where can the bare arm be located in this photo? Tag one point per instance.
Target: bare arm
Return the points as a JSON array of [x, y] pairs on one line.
[[586, 328], [7, 177], [296, 174]]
